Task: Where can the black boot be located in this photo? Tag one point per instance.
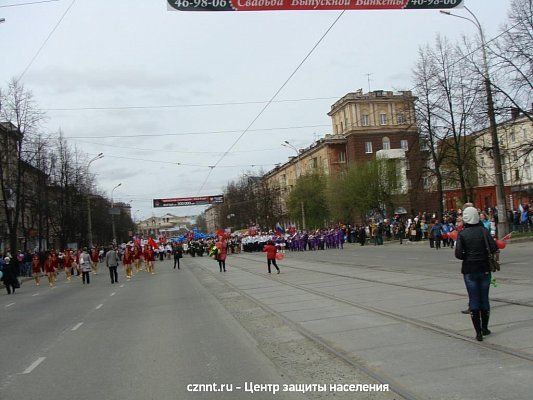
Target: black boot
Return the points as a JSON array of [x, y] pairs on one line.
[[476, 321], [485, 314]]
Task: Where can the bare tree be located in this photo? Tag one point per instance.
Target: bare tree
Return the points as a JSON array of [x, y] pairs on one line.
[[22, 121]]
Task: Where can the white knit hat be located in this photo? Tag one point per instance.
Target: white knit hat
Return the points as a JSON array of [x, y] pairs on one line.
[[470, 216]]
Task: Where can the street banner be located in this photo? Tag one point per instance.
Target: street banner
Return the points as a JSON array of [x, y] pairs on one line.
[[295, 5], [188, 201]]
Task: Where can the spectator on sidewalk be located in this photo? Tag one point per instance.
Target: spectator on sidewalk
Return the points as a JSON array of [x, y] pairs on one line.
[[111, 260], [9, 275]]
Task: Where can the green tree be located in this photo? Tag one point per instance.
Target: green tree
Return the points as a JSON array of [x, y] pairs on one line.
[[311, 192], [367, 186]]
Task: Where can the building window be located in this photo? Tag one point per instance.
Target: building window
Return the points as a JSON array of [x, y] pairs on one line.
[[407, 164], [368, 147], [365, 120], [314, 163], [400, 118], [517, 174], [515, 156], [425, 182], [513, 137], [404, 144], [342, 156], [386, 143], [342, 127], [409, 184], [482, 161], [383, 119]]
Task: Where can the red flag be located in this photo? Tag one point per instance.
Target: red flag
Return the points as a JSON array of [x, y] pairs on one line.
[[506, 238], [152, 243]]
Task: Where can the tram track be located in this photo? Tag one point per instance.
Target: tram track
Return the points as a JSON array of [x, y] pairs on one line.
[[398, 317], [402, 285], [378, 376]]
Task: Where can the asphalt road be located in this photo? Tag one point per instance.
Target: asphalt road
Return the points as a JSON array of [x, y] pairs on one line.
[[144, 339]]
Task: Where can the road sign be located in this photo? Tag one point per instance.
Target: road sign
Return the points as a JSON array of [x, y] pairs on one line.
[[189, 201], [276, 5]]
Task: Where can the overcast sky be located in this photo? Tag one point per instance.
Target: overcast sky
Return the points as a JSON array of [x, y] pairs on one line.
[[136, 53]]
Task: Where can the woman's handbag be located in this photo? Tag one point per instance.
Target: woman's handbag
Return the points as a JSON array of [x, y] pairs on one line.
[[494, 265]]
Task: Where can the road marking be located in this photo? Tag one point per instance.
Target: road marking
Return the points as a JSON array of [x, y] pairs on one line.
[[77, 326], [112, 294], [99, 306], [416, 258], [35, 294], [121, 285], [34, 365], [518, 263], [9, 305]]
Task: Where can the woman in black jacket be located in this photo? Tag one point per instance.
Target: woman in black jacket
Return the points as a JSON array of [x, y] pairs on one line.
[[10, 275], [473, 247]]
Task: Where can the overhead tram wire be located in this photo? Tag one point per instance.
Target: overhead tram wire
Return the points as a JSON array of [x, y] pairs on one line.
[[164, 106], [180, 164], [272, 99], [29, 3], [46, 40], [195, 133]]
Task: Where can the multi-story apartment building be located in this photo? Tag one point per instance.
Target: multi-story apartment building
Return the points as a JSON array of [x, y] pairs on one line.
[[365, 125], [516, 145], [326, 155]]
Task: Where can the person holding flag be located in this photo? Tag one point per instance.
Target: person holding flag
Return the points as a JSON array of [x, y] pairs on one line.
[[271, 251]]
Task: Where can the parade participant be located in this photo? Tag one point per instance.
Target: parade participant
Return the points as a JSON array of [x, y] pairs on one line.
[[9, 276], [95, 258], [222, 253], [178, 253], [85, 266], [149, 258], [111, 260], [137, 254], [271, 251], [49, 269], [36, 269], [68, 262], [127, 261], [473, 247]]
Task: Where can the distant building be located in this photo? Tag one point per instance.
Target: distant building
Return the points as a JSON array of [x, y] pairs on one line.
[[165, 224], [211, 218], [516, 146]]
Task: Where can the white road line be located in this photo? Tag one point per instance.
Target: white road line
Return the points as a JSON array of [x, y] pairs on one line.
[[99, 306], [35, 294], [77, 326], [9, 305], [34, 365], [413, 258], [112, 294], [121, 285]]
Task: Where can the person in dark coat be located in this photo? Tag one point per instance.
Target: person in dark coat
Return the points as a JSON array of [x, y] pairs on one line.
[[473, 247], [10, 276], [178, 253]]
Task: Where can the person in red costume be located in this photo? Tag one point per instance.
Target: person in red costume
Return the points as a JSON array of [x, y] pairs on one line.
[[149, 258], [127, 260], [271, 251]]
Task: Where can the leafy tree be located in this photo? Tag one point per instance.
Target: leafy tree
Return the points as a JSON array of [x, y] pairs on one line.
[[310, 193]]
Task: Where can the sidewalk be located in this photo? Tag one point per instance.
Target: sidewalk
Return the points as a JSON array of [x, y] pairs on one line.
[[400, 321]]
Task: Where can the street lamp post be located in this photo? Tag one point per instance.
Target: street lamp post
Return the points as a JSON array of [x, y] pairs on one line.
[[89, 219], [113, 214], [496, 153], [298, 175]]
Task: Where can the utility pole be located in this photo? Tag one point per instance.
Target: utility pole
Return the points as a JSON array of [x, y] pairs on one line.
[[89, 219], [298, 175], [113, 214], [493, 128]]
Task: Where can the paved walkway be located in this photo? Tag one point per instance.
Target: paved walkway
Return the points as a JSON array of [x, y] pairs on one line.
[[395, 312]]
